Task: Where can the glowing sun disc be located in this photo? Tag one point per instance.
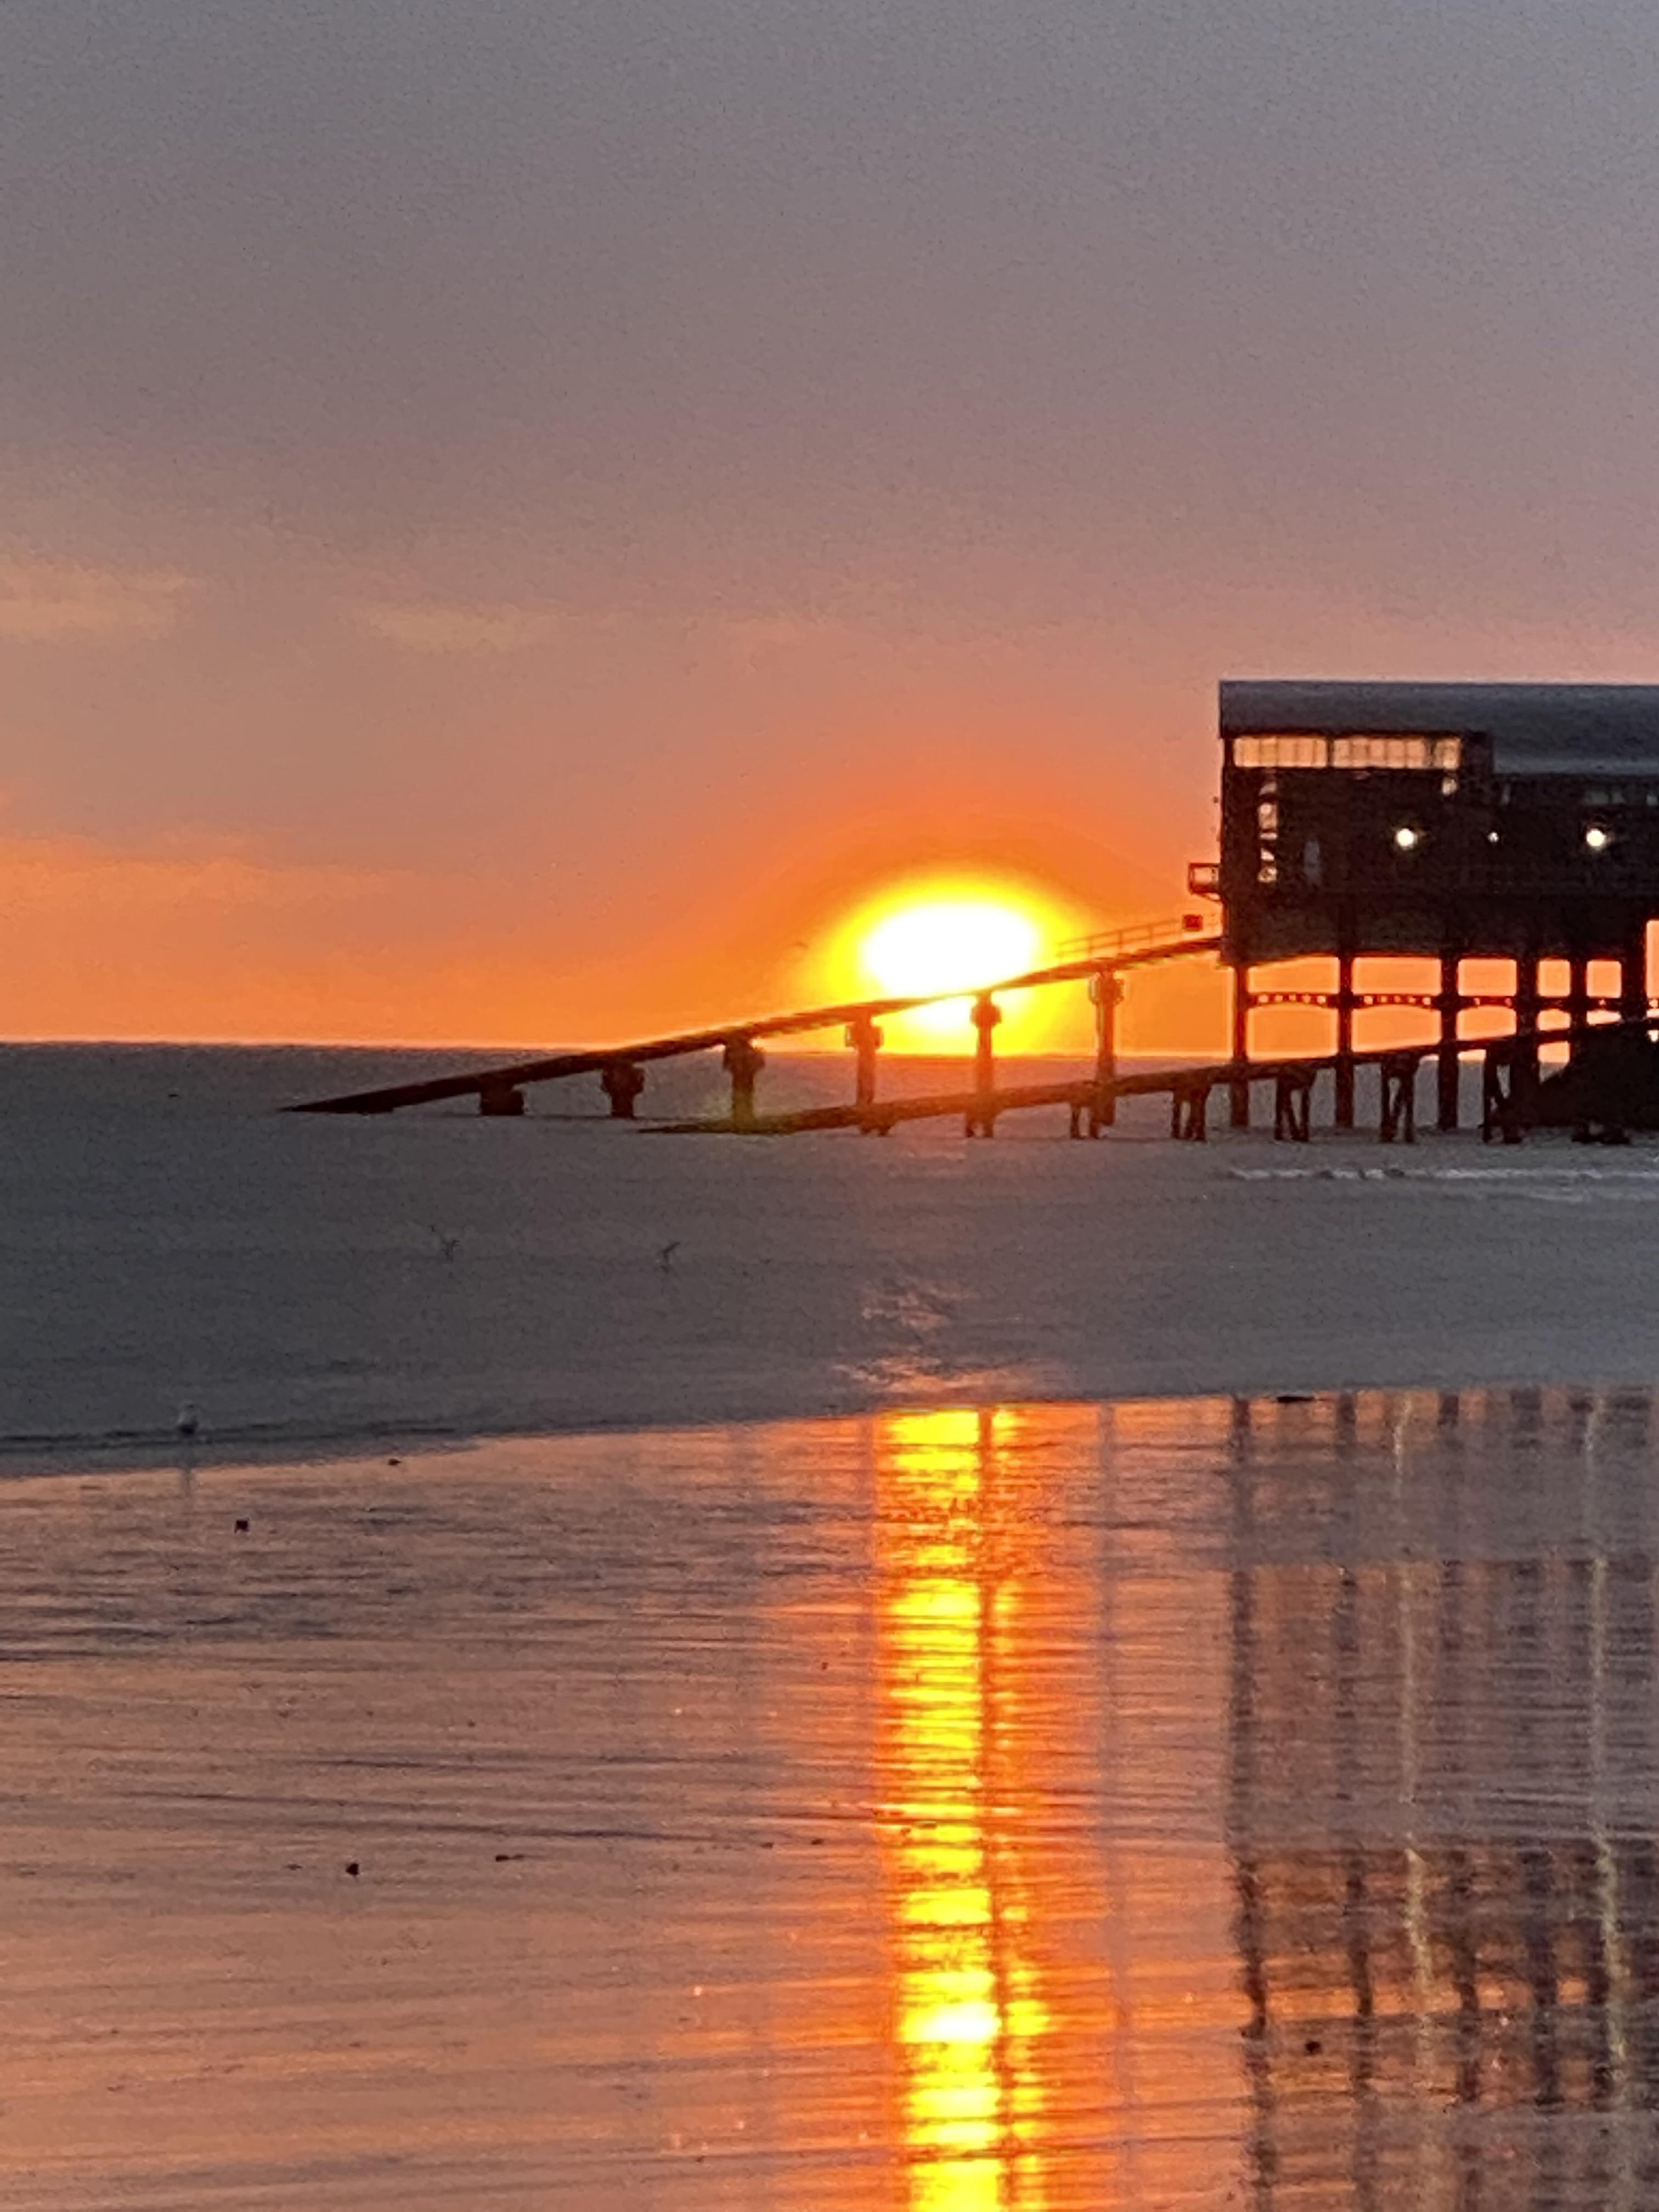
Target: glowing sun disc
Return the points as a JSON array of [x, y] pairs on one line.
[[955, 945]]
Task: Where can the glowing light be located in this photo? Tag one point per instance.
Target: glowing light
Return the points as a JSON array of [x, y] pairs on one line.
[[921, 945], [955, 932], [1407, 839], [1597, 838], [951, 945]]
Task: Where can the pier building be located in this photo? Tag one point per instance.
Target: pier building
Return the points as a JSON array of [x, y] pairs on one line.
[[1454, 821]]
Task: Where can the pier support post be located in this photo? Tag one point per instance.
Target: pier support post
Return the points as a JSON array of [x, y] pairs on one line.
[[864, 1035], [1343, 1115], [1292, 1106], [1398, 1117], [1448, 1005], [981, 1120], [1189, 1108], [1524, 1069], [1238, 1091], [501, 1099], [743, 1061], [1106, 994], [1500, 1115], [621, 1082], [1577, 991], [1633, 970]]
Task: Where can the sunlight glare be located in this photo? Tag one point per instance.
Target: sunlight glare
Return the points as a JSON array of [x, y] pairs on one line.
[[951, 945]]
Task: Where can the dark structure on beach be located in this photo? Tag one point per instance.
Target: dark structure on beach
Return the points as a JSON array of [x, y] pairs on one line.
[[1519, 821]]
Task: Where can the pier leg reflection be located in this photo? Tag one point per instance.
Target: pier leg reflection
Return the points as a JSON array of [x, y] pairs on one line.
[[1444, 1784]]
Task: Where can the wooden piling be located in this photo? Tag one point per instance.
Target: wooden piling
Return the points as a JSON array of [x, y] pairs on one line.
[[1577, 990], [1343, 1114], [1105, 993], [621, 1082], [1397, 1117], [981, 1119], [1633, 970], [1524, 1067], [1238, 1091], [1449, 1006], [1293, 1105], [865, 1036], [743, 1061]]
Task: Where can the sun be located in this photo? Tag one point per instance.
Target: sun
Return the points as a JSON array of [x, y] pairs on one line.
[[949, 945], [918, 938]]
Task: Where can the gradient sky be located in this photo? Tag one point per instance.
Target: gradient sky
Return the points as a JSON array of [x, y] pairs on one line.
[[518, 516]]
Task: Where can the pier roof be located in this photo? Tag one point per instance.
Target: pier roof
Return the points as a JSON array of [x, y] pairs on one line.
[[1535, 729]]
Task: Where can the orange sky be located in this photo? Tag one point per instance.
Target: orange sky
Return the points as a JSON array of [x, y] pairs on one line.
[[516, 523]]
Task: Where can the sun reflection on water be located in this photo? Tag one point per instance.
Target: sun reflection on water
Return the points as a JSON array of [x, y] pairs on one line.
[[968, 2009]]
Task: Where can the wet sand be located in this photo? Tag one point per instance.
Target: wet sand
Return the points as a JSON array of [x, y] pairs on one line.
[[1061, 1805]]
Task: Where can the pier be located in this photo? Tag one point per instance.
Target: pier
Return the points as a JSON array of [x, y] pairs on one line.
[[1446, 822], [1098, 963]]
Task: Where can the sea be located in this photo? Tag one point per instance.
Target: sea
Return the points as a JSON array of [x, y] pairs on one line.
[[170, 1239], [548, 1664]]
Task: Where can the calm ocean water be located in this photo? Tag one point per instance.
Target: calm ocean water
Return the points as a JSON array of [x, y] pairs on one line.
[[165, 1236]]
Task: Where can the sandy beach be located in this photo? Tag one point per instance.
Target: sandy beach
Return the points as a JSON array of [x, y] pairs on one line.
[[1192, 1802]]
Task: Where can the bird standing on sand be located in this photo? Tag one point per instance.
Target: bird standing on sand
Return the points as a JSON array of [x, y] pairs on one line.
[[189, 1421], [665, 1254]]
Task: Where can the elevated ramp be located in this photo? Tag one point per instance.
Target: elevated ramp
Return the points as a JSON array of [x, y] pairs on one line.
[[1150, 946]]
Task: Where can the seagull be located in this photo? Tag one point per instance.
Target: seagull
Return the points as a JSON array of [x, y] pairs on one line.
[[189, 1420], [665, 1254], [449, 1246]]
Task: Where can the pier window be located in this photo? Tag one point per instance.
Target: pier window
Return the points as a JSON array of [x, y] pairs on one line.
[[1400, 750], [1281, 752], [1377, 749]]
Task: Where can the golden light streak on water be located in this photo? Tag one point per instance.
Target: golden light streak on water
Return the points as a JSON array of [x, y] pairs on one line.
[[970, 2017]]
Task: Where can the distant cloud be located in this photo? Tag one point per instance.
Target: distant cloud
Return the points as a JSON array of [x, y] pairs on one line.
[[42, 602], [431, 626], [86, 874], [742, 642], [749, 641]]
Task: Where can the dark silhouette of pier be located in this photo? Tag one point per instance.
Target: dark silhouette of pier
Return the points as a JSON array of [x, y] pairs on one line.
[[1517, 822], [1097, 961], [1447, 821]]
